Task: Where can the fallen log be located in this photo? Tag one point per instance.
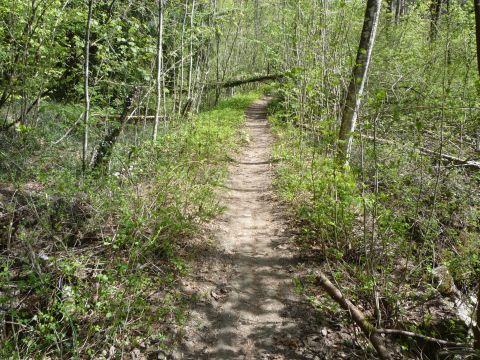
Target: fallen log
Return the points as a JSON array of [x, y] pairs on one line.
[[233, 83], [238, 82], [446, 157], [357, 316], [102, 154], [425, 151], [422, 337]]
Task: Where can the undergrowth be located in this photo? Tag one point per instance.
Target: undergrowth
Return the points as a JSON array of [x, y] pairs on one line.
[[378, 228], [90, 265]]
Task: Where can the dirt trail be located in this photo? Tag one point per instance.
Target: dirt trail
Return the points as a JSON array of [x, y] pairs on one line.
[[248, 308]]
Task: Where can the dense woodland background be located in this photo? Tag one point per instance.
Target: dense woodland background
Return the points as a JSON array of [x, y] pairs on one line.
[[116, 120]]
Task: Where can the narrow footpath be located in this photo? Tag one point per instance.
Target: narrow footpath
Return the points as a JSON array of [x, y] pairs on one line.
[[247, 306]]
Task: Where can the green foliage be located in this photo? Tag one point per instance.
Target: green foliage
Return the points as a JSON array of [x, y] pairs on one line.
[[397, 211], [325, 198], [109, 280]]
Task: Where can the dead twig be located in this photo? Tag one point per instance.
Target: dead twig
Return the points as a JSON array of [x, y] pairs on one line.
[[69, 130]]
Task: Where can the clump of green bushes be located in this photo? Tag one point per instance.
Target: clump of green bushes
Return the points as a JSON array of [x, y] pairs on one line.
[[110, 284]]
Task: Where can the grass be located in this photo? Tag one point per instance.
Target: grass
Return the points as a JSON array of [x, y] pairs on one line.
[[380, 243], [96, 272]]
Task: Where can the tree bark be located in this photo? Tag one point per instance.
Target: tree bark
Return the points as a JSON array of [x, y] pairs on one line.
[[104, 151], [233, 83], [85, 86], [159, 67], [190, 68], [182, 59], [476, 5], [217, 58], [368, 329], [435, 8], [409, 334], [476, 329], [399, 10], [358, 80]]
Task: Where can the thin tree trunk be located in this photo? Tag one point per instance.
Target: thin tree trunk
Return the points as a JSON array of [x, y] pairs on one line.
[[400, 11], [217, 54], [358, 80], [476, 328], [476, 4], [190, 69], [26, 55], [368, 329], [435, 8], [175, 90], [217, 65], [102, 155], [196, 80], [86, 87], [182, 59], [159, 67]]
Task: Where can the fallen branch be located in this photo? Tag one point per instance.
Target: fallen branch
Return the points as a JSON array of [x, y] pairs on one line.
[[69, 130], [420, 336], [446, 157], [27, 111], [102, 154], [238, 82], [114, 116], [357, 316], [233, 83], [425, 151]]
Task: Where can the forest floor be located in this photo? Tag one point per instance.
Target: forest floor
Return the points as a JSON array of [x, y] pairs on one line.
[[246, 304]]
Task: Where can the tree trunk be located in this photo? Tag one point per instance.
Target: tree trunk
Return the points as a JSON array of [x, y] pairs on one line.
[[435, 8], [234, 83], [159, 67], [104, 151], [368, 329], [85, 87], [190, 68], [476, 329], [182, 59], [399, 10], [476, 5], [26, 55], [217, 60], [358, 80]]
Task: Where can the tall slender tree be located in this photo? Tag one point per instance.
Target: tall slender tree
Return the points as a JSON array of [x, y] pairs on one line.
[[476, 5], [358, 80], [86, 114], [190, 69], [161, 5], [435, 10], [182, 58]]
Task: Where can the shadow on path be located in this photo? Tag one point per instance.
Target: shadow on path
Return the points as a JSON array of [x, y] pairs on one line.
[[247, 306]]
